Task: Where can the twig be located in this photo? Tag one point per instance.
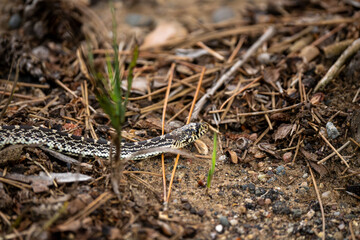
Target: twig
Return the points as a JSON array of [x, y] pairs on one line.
[[187, 122], [267, 111], [297, 148], [240, 91], [319, 199], [333, 71], [171, 75], [333, 153], [210, 51], [266, 36], [330, 145]]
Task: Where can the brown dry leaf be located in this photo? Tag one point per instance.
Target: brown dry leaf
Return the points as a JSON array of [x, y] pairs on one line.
[[317, 98], [284, 117], [233, 156], [201, 147], [308, 53], [271, 75], [162, 33], [139, 85], [319, 168], [257, 152], [308, 155], [269, 148], [283, 130]]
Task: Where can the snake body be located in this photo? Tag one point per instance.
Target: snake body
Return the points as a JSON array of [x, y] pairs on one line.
[[88, 147]]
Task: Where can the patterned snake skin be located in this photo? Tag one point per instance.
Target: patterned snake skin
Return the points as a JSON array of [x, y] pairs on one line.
[[87, 147]]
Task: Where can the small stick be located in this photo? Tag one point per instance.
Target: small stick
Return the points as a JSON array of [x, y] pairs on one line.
[[267, 117], [333, 71], [266, 36], [72, 93], [319, 199], [231, 101], [171, 75], [331, 146], [236, 50], [333, 153], [268, 111], [240, 91], [297, 148], [356, 95], [353, 140], [187, 122], [23, 84], [210, 51], [261, 136]]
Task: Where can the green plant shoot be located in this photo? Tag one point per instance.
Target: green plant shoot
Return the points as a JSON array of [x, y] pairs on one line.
[[213, 162]]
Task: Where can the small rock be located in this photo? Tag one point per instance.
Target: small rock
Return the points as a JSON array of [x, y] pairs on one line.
[[224, 221], [219, 228], [251, 187], [280, 170], [234, 222], [138, 20], [264, 58], [296, 213], [310, 214], [338, 236], [262, 177], [193, 211], [306, 175], [235, 193], [332, 131], [41, 52], [341, 226], [326, 194], [267, 201], [287, 157], [14, 21], [222, 14], [201, 213], [304, 184]]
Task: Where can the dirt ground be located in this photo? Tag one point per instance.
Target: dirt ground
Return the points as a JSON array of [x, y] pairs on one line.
[[268, 181]]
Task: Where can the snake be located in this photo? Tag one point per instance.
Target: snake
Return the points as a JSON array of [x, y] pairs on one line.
[[87, 147]]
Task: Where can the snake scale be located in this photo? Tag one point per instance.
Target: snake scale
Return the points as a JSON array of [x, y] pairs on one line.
[[88, 147]]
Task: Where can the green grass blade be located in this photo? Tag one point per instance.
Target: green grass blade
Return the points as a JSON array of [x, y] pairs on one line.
[[213, 162]]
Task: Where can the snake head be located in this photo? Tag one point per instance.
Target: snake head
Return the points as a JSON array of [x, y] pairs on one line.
[[189, 133]]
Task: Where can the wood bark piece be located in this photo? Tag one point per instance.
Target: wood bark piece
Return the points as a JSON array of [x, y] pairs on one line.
[[267, 35], [351, 50]]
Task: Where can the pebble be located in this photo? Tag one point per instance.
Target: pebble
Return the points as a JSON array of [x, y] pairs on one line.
[[331, 130], [234, 222], [14, 21], [138, 20], [222, 14], [264, 58], [201, 213], [280, 170], [326, 194], [310, 214], [306, 175], [262, 177], [304, 184], [296, 213], [338, 236], [287, 157], [224, 221], [268, 201], [219, 228], [341, 226]]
